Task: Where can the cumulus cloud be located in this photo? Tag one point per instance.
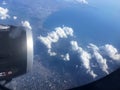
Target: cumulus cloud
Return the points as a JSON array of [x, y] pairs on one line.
[[26, 24], [99, 58], [96, 53], [66, 57], [84, 57], [111, 51], [4, 13], [54, 36]]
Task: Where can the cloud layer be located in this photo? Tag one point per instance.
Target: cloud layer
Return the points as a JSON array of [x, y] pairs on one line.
[[102, 62], [86, 56]]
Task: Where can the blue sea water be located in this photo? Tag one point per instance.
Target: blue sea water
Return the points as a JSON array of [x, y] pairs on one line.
[[90, 24]]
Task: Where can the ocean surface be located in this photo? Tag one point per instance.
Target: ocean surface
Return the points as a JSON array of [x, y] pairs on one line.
[[90, 24]]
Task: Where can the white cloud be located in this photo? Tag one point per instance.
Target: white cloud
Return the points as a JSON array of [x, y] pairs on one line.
[[99, 58], [26, 24], [14, 17], [82, 1], [66, 57], [75, 46], [111, 51], [91, 72], [4, 13], [47, 41], [54, 36], [51, 53], [84, 57], [78, 1]]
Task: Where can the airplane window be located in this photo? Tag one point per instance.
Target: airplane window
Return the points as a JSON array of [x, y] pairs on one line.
[[76, 42]]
